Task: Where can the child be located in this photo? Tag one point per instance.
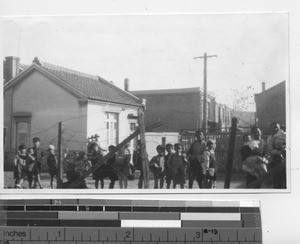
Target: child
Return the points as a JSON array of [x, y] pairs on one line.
[[156, 165], [38, 155], [75, 166], [95, 158], [81, 163], [30, 166], [176, 164], [52, 164], [137, 159], [209, 165], [123, 158], [169, 149], [112, 173], [19, 166]]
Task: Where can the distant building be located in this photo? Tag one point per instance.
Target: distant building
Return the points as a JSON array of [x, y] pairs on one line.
[[182, 109], [271, 105], [43, 94], [246, 119]]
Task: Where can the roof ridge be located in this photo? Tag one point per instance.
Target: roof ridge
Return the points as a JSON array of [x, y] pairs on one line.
[[92, 86], [128, 93], [62, 68]]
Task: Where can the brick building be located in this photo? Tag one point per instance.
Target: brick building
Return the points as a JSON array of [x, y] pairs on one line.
[[271, 105]]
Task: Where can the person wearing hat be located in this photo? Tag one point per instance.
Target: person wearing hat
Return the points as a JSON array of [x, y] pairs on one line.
[[52, 164], [38, 155], [19, 166], [96, 139], [208, 166], [157, 166]]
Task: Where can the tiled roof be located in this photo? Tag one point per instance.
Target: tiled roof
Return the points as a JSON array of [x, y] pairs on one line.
[[171, 91], [93, 87]]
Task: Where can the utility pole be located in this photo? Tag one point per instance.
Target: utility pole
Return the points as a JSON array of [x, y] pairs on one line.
[[205, 57], [59, 176], [145, 160]]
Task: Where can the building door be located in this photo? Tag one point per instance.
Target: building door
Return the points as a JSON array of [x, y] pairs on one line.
[[22, 133], [112, 128]]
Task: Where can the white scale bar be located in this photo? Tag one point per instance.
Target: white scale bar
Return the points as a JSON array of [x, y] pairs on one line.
[[210, 216], [250, 204], [151, 223]]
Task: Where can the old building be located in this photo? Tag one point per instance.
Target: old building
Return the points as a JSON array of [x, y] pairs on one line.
[[182, 109], [271, 105], [42, 95], [246, 119]]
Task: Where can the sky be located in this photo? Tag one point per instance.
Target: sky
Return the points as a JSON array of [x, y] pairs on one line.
[[156, 51]]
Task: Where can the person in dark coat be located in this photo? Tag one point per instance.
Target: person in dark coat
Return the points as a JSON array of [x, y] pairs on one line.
[[95, 158], [195, 158], [156, 165], [111, 171], [177, 164], [169, 149], [38, 155], [137, 159]]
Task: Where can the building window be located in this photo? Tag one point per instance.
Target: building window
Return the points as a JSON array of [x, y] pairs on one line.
[[112, 127], [4, 135], [132, 127], [209, 115]]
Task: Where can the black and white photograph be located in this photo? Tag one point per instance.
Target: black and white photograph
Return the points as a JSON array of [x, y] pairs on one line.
[[174, 102]]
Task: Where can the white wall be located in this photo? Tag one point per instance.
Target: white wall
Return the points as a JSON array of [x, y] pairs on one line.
[[153, 139], [96, 122], [49, 104]]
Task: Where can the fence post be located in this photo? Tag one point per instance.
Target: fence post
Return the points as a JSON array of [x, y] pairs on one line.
[[59, 177], [230, 153], [163, 142]]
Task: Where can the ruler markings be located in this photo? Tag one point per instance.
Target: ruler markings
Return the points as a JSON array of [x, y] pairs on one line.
[[67, 215]]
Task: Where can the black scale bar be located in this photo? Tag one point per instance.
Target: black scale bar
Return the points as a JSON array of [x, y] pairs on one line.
[[133, 209]]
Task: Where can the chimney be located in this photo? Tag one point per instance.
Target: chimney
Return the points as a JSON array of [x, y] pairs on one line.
[[263, 86], [11, 67], [36, 61], [126, 84]]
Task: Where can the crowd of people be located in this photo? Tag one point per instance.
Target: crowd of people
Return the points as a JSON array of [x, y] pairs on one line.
[[28, 165], [170, 167], [171, 164]]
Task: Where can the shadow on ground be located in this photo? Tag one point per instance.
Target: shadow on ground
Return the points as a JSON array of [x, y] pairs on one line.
[[237, 182]]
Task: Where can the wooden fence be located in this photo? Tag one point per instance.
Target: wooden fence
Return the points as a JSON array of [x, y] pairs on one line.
[[221, 151]]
